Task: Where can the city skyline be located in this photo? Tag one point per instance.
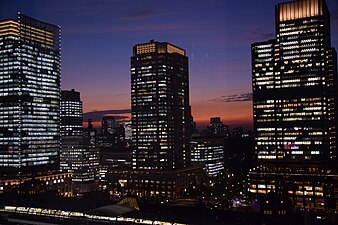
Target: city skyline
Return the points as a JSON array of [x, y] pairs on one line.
[[183, 112], [217, 36]]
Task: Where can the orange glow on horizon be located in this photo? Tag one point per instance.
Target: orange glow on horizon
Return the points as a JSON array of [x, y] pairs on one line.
[[232, 113]]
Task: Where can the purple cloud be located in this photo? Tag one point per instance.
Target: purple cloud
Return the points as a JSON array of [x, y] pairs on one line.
[[234, 98], [96, 116]]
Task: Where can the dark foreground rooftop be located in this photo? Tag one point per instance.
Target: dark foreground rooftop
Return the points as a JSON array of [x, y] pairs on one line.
[[97, 208]]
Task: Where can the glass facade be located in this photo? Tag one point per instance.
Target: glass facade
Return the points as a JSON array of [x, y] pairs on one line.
[[160, 107], [29, 95], [77, 155], [294, 100], [209, 152], [71, 113]]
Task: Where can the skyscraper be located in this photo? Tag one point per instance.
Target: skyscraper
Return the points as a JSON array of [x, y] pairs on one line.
[[71, 113], [294, 98], [78, 155], [29, 96], [161, 124], [160, 106], [209, 152]]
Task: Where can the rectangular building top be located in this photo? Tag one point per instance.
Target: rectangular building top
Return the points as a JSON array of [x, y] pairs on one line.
[[157, 47], [30, 29], [299, 9], [9, 27]]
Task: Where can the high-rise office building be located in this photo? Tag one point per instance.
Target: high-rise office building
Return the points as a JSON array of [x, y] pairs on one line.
[[30, 106], [161, 124], [71, 113], [82, 161], [78, 155], [29, 96], [208, 152], [160, 106], [294, 100]]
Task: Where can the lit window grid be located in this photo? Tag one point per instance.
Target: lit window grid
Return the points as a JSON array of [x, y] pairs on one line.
[[210, 156], [149, 86], [42, 82], [82, 161], [302, 59]]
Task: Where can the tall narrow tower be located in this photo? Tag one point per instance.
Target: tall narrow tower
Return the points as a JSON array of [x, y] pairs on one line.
[[161, 123], [71, 114], [77, 155], [294, 98], [160, 107], [29, 96]]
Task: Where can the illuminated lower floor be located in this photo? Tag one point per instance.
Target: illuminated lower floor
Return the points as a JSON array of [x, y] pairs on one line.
[[306, 190], [46, 181], [42, 216], [155, 183]]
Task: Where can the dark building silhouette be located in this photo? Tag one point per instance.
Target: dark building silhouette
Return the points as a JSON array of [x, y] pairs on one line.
[[294, 100], [108, 124], [217, 128], [239, 151], [112, 133], [113, 158]]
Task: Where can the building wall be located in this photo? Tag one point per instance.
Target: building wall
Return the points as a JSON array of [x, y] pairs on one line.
[[29, 95], [78, 156], [208, 152], [71, 113], [156, 183], [294, 100], [160, 107]]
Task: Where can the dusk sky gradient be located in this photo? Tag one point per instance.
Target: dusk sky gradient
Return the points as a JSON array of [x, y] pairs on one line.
[[98, 36]]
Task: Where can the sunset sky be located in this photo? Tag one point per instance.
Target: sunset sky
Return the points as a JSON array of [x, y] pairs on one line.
[[98, 36]]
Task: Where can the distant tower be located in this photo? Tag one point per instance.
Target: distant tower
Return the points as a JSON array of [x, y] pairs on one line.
[[217, 128], [79, 154], [128, 130], [90, 134], [71, 113], [112, 133], [108, 124]]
